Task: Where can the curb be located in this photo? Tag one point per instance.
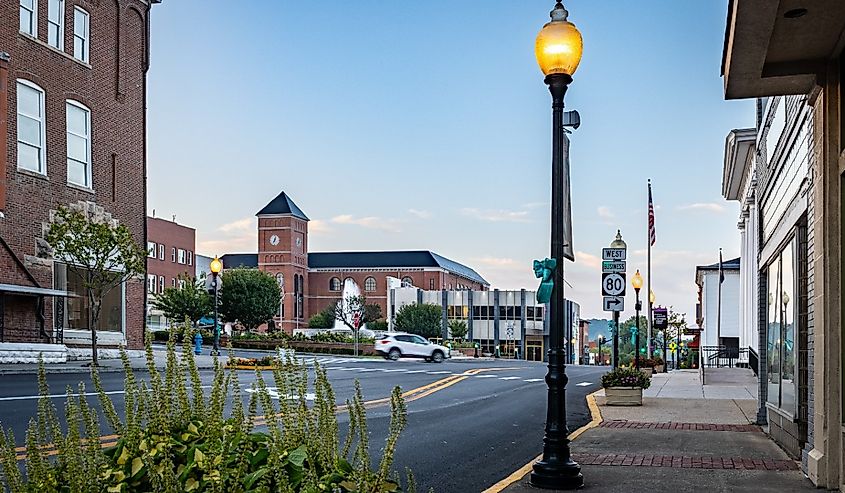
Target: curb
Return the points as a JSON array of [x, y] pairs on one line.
[[522, 471]]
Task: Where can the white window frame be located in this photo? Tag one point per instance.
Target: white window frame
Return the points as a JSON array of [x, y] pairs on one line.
[[160, 284], [161, 251], [85, 36], [190, 257], [60, 25], [88, 165], [151, 283], [34, 17], [42, 121], [151, 249], [181, 256], [173, 254]]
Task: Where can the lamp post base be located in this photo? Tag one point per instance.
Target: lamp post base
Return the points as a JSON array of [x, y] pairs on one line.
[[557, 475]]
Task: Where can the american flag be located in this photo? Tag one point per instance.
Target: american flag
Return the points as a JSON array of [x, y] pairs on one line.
[[652, 236]]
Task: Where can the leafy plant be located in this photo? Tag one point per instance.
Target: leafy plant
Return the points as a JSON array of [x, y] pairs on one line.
[[324, 319], [625, 377], [175, 437], [97, 249], [458, 329], [422, 319], [189, 299], [377, 325], [249, 296]]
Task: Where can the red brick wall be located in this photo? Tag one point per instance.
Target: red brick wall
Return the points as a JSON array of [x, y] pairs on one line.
[[113, 87], [171, 235], [288, 258]]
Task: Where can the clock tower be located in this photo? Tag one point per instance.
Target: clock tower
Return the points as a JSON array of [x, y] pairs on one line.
[[283, 252]]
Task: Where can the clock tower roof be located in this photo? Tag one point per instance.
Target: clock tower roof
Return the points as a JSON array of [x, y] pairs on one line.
[[281, 205]]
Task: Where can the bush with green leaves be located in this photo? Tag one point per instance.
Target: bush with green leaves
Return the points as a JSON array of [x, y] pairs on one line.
[[249, 296], [324, 319], [174, 437], [626, 377], [422, 319], [458, 329]]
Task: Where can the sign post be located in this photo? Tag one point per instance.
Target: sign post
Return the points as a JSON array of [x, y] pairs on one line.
[[661, 322], [613, 286]]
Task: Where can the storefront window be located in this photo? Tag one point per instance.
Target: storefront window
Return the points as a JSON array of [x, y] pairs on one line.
[[77, 307], [781, 357]]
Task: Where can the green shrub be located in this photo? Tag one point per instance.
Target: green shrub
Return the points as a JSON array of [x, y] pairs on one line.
[[174, 437], [458, 329], [377, 325], [625, 377]]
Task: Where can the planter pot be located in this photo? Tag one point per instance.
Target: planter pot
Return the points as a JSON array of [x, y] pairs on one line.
[[647, 371], [658, 369], [624, 396]]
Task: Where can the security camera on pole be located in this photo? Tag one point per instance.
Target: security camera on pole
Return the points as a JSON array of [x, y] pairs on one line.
[[613, 285]]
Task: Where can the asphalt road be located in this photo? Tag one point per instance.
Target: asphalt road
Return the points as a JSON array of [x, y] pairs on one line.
[[462, 437]]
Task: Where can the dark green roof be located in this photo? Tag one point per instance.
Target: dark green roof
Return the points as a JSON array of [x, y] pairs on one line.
[[282, 204]]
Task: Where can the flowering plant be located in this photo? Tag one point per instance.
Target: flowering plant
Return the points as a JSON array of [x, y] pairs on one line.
[[625, 377]]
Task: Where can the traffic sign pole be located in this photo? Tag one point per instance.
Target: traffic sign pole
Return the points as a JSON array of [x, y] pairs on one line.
[[613, 266]]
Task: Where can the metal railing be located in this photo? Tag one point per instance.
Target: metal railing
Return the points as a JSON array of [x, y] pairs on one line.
[[723, 357], [754, 361]]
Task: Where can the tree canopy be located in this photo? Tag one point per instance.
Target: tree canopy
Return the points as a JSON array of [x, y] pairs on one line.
[[189, 299], [249, 296], [422, 319]]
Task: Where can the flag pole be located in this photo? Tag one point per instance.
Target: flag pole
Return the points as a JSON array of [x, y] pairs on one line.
[[648, 270]]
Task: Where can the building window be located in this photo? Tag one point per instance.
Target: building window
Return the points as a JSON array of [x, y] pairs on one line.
[[160, 284], [334, 284], [407, 282], [180, 283], [80, 34], [77, 307], [56, 23], [370, 284], [181, 257], [161, 251], [781, 331], [29, 17], [173, 254], [190, 257], [431, 284], [151, 283], [31, 143], [78, 144], [151, 249]]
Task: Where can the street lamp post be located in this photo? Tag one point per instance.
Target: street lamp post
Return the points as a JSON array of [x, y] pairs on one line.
[[637, 283], [216, 266], [558, 49], [600, 341], [617, 243]]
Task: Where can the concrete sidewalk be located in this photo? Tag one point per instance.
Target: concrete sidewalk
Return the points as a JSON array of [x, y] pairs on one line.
[[685, 437]]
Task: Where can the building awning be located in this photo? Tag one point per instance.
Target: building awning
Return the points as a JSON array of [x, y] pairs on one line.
[[777, 47], [32, 291], [739, 153]]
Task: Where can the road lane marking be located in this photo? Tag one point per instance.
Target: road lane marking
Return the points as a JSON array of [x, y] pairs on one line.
[[351, 369], [367, 370], [508, 378], [438, 372], [533, 380], [485, 376], [391, 371], [583, 384], [415, 371]]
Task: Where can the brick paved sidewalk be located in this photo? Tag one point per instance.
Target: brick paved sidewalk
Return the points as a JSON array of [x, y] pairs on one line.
[[680, 444]]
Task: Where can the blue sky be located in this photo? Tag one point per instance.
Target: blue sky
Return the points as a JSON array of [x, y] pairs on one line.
[[426, 125]]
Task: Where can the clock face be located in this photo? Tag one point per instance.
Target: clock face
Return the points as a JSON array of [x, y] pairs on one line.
[[298, 241], [274, 240]]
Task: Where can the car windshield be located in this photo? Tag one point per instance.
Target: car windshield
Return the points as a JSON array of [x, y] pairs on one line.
[[420, 340]]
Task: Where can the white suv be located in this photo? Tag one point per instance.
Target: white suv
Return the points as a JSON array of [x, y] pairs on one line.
[[396, 345]]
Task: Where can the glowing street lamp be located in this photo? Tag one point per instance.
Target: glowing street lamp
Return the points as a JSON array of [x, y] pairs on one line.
[[216, 266], [558, 50], [637, 283]]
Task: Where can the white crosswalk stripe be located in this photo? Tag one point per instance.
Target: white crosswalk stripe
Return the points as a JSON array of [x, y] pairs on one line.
[[533, 380], [508, 378], [485, 376]]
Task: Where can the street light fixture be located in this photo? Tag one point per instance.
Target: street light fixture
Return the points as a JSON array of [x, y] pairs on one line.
[[216, 266], [637, 283], [558, 50]]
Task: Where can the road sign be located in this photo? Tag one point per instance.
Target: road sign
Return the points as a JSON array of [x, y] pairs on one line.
[[613, 253], [613, 266], [661, 318], [691, 331], [673, 346], [614, 303], [613, 284]]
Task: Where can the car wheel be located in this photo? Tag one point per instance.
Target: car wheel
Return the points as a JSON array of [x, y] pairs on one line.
[[437, 357], [394, 354]]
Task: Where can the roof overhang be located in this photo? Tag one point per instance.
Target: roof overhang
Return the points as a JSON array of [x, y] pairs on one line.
[[31, 291], [739, 150], [769, 51]]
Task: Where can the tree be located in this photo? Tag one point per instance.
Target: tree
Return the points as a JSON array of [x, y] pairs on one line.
[[458, 329], [189, 299], [422, 319], [99, 250], [249, 296], [324, 319], [354, 312]]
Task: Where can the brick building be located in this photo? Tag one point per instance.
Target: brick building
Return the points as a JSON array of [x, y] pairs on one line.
[[170, 255], [72, 132], [312, 281]]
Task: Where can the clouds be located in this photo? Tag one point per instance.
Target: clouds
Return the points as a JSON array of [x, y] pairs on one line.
[[496, 215], [604, 212], [235, 236], [245, 224], [421, 214], [703, 206], [370, 222]]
